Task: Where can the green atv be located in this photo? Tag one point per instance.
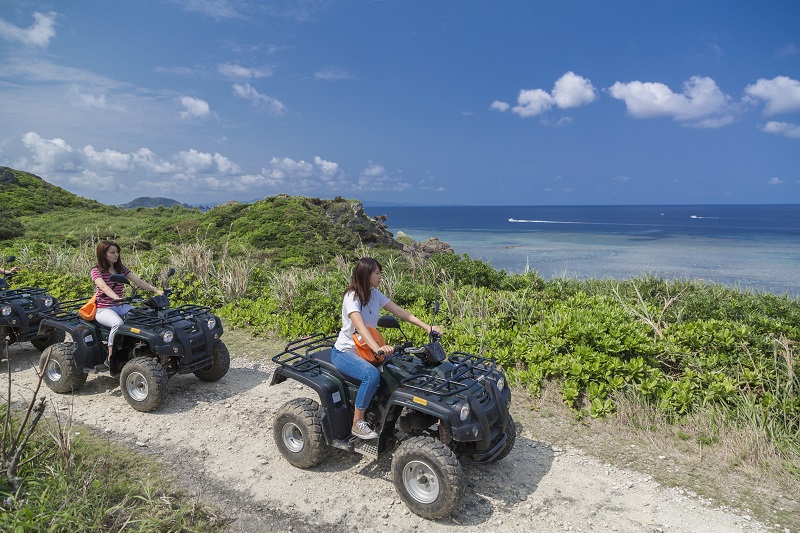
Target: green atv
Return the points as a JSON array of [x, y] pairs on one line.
[[431, 411], [21, 311], [154, 343]]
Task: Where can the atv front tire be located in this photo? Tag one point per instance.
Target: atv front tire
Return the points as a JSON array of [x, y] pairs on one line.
[[144, 383], [511, 438], [428, 477], [221, 362], [60, 373], [56, 336], [298, 434]]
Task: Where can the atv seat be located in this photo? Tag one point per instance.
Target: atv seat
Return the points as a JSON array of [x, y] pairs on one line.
[[323, 357]]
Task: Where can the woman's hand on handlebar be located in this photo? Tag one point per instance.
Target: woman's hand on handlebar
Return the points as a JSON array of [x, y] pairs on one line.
[[386, 350]]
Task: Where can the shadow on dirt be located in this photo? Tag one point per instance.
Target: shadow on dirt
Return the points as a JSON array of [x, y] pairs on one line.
[[184, 391], [490, 488]]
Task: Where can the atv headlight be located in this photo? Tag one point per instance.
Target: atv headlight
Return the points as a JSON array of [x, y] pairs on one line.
[[167, 336], [211, 323], [48, 301], [5, 310], [464, 412], [501, 383]]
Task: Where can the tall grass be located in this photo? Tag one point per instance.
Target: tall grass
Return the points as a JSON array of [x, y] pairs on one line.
[[59, 477]]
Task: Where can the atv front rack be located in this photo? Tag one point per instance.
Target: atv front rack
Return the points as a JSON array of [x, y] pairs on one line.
[[468, 369], [146, 317], [297, 354]]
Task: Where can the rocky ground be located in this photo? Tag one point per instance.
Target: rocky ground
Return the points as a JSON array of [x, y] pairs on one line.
[[217, 439]]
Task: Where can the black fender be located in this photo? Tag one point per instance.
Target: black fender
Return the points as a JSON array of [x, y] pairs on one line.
[[89, 349], [336, 416], [402, 398]]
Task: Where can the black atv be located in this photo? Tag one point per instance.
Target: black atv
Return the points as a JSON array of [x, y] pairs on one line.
[[432, 411], [154, 343], [21, 311]]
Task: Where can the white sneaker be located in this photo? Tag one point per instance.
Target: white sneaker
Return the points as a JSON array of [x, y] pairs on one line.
[[362, 430]]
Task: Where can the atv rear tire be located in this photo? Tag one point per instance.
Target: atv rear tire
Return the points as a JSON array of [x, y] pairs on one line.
[[56, 336], [298, 434], [60, 373], [428, 477], [221, 362], [144, 383]]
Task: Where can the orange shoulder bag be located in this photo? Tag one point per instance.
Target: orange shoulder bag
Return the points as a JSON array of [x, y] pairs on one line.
[[363, 349], [88, 310]]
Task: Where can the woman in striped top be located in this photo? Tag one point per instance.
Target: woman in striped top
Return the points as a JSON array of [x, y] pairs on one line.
[[110, 308]]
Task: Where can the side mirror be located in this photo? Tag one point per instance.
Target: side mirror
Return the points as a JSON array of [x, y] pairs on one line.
[[171, 272], [119, 278], [11, 258], [388, 321]]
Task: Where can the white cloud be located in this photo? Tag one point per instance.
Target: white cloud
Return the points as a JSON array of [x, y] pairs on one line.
[[376, 178], [532, 102], [147, 160], [91, 181], [38, 34], [107, 159], [48, 154], [237, 71], [775, 181], [194, 162], [259, 101], [83, 100], [570, 90], [782, 128], [190, 175], [780, 94], [333, 73], [497, 105], [701, 100], [194, 107]]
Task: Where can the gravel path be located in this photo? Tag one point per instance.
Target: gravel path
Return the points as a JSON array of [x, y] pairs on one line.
[[218, 437]]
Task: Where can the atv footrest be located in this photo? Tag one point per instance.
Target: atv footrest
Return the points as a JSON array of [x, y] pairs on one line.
[[365, 447]]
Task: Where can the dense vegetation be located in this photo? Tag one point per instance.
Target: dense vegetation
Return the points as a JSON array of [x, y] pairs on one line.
[[278, 267]]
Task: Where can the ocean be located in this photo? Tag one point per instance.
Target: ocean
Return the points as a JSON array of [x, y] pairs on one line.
[[748, 246]]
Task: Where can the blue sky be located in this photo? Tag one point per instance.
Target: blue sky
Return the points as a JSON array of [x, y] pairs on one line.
[[406, 101]]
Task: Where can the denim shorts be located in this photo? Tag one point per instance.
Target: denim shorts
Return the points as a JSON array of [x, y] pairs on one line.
[[352, 366]]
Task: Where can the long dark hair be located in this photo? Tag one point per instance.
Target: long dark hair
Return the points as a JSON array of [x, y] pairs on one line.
[[102, 261], [359, 283]]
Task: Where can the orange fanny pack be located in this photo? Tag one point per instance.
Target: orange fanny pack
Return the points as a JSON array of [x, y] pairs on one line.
[[364, 351]]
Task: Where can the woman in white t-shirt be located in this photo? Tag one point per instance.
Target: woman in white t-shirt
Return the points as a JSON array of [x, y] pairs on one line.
[[361, 307]]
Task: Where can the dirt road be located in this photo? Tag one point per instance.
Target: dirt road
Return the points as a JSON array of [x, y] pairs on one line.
[[218, 437]]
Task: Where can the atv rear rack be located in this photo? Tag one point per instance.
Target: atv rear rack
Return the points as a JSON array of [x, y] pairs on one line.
[[297, 354], [21, 292], [65, 309]]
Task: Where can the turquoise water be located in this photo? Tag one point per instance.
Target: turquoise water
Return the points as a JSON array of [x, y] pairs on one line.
[[755, 247]]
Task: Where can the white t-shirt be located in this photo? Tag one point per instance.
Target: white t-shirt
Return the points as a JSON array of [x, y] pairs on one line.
[[369, 313]]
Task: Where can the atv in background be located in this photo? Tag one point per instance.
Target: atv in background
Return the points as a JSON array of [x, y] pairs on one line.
[[432, 411], [21, 311], [154, 343]]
